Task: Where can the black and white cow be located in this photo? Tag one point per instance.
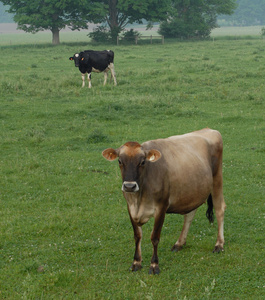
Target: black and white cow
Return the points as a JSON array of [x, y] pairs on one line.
[[95, 61]]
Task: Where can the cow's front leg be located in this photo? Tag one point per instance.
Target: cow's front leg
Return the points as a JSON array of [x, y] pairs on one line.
[[83, 80], [155, 237], [89, 80], [137, 260]]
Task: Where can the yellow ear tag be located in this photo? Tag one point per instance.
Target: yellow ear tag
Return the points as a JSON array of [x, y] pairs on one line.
[[82, 58]]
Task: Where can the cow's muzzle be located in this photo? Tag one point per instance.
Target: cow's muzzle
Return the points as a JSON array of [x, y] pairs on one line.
[[130, 187]]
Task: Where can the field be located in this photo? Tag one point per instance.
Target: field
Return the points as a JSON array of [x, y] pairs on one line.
[[64, 227]]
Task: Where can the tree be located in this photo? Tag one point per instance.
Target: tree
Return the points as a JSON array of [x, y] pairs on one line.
[[36, 15], [194, 18], [247, 13], [118, 13]]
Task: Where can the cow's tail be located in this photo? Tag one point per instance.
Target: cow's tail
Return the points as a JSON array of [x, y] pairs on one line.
[[209, 212]]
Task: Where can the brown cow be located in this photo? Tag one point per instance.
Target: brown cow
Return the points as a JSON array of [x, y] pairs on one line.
[[172, 175]]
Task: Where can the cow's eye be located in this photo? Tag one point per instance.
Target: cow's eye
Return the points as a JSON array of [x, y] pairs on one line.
[[142, 163]]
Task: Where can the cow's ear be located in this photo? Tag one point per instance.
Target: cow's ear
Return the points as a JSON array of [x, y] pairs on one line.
[[110, 154], [71, 58], [153, 155]]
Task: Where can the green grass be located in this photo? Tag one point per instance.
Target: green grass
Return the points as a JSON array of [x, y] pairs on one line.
[[64, 227]]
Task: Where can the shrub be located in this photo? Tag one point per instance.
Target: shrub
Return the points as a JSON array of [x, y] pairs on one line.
[[130, 35], [100, 34], [179, 28]]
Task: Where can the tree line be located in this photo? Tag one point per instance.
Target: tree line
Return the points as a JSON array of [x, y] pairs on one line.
[[177, 18], [247, 13]]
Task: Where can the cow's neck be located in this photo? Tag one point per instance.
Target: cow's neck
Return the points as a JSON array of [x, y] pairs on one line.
[[133, 198], [140, 209]]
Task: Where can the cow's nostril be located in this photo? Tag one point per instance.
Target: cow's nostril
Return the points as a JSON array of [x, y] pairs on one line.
[[130, 186]]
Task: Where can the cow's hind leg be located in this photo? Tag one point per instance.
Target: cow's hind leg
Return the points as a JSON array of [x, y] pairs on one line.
[[219, 207], [105, 77], [111, 67], [183, 236]]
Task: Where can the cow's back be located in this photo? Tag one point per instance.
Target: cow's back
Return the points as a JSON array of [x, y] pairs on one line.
[[201, 144], [185, 168], [106, 55]]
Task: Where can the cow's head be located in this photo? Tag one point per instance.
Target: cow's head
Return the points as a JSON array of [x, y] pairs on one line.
[[133, 160], [76, 59]]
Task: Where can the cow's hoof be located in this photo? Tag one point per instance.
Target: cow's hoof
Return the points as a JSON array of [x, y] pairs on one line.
[[218, 249], [136, 267], [154, 270], [176, 248]]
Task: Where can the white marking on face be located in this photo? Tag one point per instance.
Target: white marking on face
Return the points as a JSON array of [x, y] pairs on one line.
[[76, 55]]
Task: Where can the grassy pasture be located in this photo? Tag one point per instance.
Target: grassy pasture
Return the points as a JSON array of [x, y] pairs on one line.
[[64, 228]]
